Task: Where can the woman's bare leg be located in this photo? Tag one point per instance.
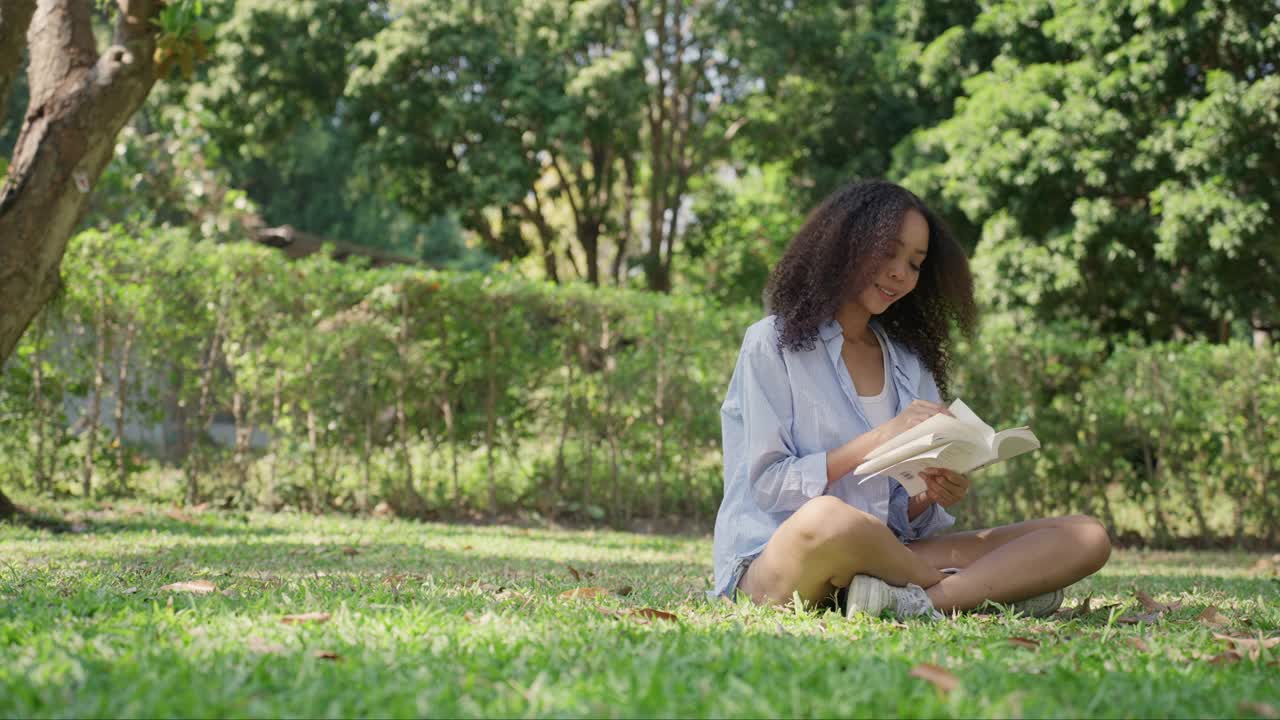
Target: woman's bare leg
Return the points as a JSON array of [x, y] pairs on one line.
[[1014, 562], [822, 546]]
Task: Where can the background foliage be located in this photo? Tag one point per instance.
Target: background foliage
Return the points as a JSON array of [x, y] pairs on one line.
[[1112, 167], [444, 393]]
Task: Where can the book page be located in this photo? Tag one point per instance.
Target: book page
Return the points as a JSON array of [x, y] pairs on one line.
[[971, 419], [930, 426], [919, 446], [907, 472], [957, 456], [964, 426], [1014, 442]]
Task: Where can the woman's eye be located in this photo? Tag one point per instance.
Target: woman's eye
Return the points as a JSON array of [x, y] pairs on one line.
[[914, 267]]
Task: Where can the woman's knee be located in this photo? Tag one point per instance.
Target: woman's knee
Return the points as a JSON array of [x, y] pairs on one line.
[[825, 521], [1091, 537]]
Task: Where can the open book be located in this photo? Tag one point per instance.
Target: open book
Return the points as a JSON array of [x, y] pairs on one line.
[[963, 443]]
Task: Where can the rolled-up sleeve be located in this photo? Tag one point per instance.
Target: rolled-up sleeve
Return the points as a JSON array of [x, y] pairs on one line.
[[933, 519], [780, 479]]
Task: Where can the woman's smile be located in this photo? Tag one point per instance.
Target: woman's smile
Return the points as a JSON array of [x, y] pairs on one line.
[[886, 293]]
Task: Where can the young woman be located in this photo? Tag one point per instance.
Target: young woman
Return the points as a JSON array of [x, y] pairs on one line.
[[856, 351]]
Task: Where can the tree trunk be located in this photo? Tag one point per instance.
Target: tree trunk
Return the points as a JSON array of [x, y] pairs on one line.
[[79, 102], [628, 207], [7, 510], [589, 238], [1161, 524]]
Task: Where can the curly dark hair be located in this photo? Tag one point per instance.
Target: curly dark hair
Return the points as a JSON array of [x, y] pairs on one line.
[[838, 252]]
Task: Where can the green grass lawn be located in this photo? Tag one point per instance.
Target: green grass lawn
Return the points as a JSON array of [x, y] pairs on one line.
[[427, 619]]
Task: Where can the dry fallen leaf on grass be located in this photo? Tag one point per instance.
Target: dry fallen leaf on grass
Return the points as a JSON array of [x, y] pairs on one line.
[[625, 590], [1224, 658], [199, 587], [1022, 642], [942, 679], [654, 614], [1258, 708], [176, 514], [1139, 644], [1154, 606], [1084, 609], [1080, 610], [1213, 618], [258, 645], [1253, 646], [327, 655], [1136, 617], [303, 618], [584, 593], [1265, 566], [574, 572], [348, 550], [129, 591]]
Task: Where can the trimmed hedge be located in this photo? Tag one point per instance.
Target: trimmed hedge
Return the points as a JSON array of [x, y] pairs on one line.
[[447, 393]]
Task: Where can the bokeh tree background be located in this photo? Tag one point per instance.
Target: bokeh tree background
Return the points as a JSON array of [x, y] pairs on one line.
[[445, 259]]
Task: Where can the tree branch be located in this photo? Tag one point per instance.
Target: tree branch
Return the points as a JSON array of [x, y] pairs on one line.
[[15, 18], [133, 24], [60, 40], [568, 191]]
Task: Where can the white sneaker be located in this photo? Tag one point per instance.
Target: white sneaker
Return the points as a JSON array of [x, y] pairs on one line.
[[872, 596], [1039, 606]]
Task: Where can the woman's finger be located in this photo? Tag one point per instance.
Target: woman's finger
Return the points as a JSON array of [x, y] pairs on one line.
[[951, 483], [939, 492]]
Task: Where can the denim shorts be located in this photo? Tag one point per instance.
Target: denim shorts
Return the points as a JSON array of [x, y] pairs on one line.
[[836, 601], [739, 572]]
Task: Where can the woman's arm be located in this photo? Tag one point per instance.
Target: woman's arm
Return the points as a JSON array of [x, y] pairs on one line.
[[780, 478], [844, 459]]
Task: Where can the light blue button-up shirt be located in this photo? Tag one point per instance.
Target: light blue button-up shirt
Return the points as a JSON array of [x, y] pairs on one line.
[[783, 411]]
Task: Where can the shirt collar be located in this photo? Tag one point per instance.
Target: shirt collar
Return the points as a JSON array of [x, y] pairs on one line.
[[831, 331]]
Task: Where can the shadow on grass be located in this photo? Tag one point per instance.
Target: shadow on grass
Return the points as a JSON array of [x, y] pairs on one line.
[[268, 564]]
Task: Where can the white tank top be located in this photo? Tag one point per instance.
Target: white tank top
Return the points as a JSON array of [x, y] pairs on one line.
[[879, 409]]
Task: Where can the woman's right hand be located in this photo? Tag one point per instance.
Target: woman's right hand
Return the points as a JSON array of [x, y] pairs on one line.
[[915, 413]]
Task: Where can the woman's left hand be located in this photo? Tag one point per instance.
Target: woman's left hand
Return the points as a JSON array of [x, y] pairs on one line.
[[943, 486]]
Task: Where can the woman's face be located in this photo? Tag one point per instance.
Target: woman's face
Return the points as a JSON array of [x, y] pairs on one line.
[[899, 274]]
